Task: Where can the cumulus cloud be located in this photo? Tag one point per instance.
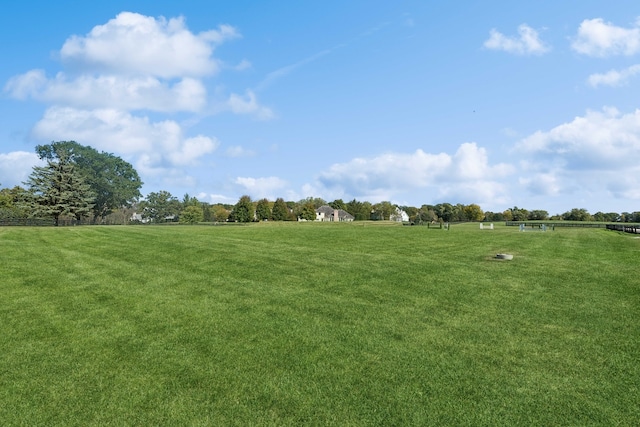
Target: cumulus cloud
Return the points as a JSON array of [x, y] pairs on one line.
[[132, 43], [467, 173], [598, 38], [594, 153], [15, 167], [115, 130], [136, 62], [123, 72], [600, 140], [614, 77], [258, 188], [110, 91], [527, 42], [546, 183]]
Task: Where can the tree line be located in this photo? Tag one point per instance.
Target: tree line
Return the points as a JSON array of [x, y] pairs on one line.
[[82, 184], [163, 207]]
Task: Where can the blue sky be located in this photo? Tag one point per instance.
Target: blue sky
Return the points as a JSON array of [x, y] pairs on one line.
[[502, 103]]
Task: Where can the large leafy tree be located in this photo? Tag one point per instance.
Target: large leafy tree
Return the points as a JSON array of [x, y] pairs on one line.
[[516, 214], [425, 214], [160, 206], [59, 189], [308, 211], [473, 212], [114, 181], [360, 210], [243, 210], [12, 203], [577, 215], [191, 215], [219, 213], [538, 214], [383, 210]]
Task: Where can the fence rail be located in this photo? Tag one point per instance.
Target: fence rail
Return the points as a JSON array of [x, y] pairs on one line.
[[635, 229], [627, 228], [536, 224], [38, 222], [43, 222]]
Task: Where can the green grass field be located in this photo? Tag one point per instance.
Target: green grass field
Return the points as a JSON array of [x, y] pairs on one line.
[[318, 324]]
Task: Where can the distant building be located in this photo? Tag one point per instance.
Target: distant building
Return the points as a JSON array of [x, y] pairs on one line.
[[399, 215], [327, 213]]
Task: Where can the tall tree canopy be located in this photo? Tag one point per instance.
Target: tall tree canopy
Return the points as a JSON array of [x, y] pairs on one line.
[[473, 212], [243, 210], [280, 210], [13, 203], [263, 210], [59, 189], [114, 181], [160, 206]]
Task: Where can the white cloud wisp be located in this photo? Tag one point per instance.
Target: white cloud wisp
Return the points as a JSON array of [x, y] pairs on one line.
[[614, 78], [526, 43]]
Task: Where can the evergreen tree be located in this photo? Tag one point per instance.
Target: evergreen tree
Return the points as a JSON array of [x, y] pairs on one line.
[[243, 210], [263, 211], [59, 189], [338, 204], [280, 211]]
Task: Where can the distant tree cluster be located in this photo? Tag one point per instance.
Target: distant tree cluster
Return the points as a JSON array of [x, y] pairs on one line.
[[81, 183]]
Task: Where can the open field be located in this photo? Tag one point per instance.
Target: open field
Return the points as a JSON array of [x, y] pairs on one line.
[[318, 324]]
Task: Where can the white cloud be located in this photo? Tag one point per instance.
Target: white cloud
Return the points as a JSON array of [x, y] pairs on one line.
[[243, 65], [136, 44], [115, 130], [527, 42], [614, 77], [110, 91], [548, 183], [467, 174], [248, 105], [593, 154], [238, 151], [16, 166], [598, 38], [28, 85], [258, 188], [599, 140], [191, 149], [136, 62]]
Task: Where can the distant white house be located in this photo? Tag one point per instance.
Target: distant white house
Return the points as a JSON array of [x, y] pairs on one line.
[[327, 213], [399, 215]]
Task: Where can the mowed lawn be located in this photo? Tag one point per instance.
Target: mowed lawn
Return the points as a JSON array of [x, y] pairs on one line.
[[318, 324]]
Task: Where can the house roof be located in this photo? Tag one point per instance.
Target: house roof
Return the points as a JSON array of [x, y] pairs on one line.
[[328, 210]]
